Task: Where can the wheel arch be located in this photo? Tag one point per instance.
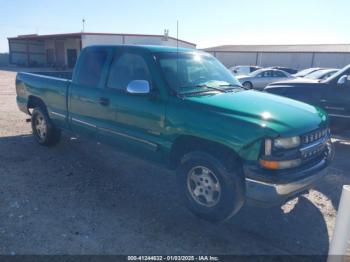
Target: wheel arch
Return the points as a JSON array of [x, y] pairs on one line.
[[34, 101], [187, 143]]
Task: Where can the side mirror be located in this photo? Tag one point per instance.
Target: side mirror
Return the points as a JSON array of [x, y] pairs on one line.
[[138, 87], [344, 81]]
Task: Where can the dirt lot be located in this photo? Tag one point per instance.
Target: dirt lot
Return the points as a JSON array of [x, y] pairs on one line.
[[83, 198]]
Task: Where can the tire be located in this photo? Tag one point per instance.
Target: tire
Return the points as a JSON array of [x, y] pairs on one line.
[[248, 85], [43, 130], [197, 176]]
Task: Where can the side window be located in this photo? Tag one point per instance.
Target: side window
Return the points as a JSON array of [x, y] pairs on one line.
[[170, 72], [91, 68], [126, 68], [245, 70], [264, 74], [278, 74], [268, 74]]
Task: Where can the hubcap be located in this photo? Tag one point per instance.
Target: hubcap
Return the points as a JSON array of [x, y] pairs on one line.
[[247, 85], [40, 126], [204, 186]]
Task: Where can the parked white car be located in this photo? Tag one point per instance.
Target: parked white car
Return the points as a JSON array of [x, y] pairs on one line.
[[307, 71], [322, 74], [243, 70], [261, 78]]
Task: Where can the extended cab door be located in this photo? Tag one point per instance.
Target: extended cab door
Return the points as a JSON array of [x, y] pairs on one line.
[[85, 92], [132, 121]]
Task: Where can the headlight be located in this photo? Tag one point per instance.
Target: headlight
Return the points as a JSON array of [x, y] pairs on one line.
[[268, 147], [280, 143], [287, 143]]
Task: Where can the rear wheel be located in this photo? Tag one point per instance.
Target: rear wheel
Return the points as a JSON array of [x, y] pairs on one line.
[[210, 190], [248, 85], [43, 130]]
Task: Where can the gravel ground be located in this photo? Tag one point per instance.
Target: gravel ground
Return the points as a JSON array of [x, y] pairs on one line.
[[85, 198]]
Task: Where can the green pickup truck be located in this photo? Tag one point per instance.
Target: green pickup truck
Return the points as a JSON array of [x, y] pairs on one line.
[[183, 109]]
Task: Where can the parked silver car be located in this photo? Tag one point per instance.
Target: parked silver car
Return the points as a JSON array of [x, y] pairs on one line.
[[243, 70], [261, 78]]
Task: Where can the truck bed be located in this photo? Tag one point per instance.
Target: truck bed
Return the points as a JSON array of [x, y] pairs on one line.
[[52, 90], [58, 74]]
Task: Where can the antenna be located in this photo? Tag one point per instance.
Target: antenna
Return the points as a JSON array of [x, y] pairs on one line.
[[177, 34], [177, 54], [83, 22]]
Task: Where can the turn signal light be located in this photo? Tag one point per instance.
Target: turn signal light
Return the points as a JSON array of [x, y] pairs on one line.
[[280, 164], [269, 164]]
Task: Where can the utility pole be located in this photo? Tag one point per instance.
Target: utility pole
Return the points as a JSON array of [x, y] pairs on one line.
[[83, 21]]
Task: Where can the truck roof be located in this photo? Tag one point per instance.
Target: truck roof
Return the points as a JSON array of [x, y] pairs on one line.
[[151, 48]]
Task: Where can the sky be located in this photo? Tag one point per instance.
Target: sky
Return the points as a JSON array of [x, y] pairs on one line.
[[204, 22]]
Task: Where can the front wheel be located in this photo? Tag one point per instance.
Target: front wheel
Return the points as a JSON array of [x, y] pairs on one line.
[[210, 190], [248, 85], [43, 130]]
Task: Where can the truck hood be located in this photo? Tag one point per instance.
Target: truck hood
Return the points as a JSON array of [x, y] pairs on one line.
[[281, 115]]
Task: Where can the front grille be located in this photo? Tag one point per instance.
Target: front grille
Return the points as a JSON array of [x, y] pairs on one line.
[[314, 144], [314, 136], [313, 152]]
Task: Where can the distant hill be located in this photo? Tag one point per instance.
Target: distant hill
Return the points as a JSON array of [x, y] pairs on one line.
[[4, 59]]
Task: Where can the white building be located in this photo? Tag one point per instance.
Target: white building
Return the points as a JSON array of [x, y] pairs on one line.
[[295, 56], [62, 50]]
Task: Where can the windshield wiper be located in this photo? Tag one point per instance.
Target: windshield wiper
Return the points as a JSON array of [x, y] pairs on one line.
[[231, 85], [206, 86], [235, 86], [204, 90]]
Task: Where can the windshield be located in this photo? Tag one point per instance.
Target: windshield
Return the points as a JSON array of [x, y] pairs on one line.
[[306, 72], [344, 71], [195, 72]]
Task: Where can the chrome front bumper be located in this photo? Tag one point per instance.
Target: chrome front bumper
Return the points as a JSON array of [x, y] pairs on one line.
[[266, 188], [270, 194]]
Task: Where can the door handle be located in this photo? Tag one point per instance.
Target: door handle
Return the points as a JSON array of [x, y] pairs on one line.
[[103, 101]]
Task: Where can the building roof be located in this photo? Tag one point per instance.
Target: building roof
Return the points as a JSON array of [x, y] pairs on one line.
[[340, 48], [78, 35], [151, 48]]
